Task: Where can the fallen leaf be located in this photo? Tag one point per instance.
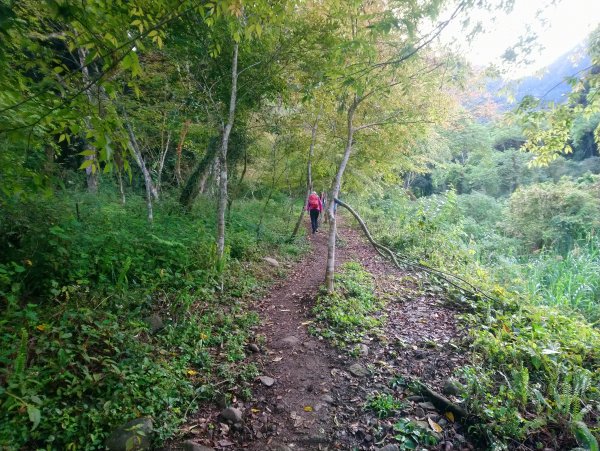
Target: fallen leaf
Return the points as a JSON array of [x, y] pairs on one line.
[[436, 427], [192, 372], [308, 409], [255, 410], [41, 327], [450, 416], [277, 359]]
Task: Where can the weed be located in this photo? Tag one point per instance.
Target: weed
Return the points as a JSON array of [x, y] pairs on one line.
[[384, 405], [347, 315], [410, 435]]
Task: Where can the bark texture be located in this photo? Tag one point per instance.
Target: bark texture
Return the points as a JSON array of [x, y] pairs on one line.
[[196, 181], [223, 157], [335, 191], [139, 159]]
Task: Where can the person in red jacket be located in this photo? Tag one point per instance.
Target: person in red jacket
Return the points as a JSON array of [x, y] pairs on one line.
[[314, 207]]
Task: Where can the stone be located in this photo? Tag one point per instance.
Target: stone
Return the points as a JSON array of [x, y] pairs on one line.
[[328, 399], [271, 261], [358, 370], [266, 380], [254, 348], [427, 405], [232, 414], [279, 447], [191, 445], [132, 436], [419, 412], [451, 387], [390, 448], [290, 341], [154, 323]]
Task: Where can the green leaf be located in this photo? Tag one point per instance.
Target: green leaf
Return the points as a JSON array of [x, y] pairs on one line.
[[34, 415], [86, 164]]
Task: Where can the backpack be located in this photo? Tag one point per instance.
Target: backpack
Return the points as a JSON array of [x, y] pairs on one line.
[[313, 202]]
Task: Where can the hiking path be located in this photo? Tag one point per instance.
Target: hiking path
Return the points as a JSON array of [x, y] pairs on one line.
[[312, 396]]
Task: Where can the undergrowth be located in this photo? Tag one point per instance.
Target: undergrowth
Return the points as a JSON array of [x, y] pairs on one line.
[[535, 377], [79, 288], [347, 315]]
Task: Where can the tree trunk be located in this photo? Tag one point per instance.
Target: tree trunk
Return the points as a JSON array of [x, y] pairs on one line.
[[150, 190], [309, 184], [121, 190], [184, 129], [197, 179], [161, 163], [91, 171], [335, 191], [238, 186], [223, 158]]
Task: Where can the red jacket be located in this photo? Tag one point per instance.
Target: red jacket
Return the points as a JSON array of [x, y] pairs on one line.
[[315, 200]]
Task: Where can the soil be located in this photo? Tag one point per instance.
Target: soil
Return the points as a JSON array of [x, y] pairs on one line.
[[315, 402]]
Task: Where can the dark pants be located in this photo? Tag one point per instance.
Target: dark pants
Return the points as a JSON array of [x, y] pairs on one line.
[[314, 220]]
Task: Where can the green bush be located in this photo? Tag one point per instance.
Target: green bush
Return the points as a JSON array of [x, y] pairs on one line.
[[535, 369], [549, 214], [77, 354]]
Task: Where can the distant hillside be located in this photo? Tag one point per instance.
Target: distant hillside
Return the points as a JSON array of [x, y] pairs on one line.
[[548, 83]]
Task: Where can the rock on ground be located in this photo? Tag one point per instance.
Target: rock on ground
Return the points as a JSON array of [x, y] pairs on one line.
[[266, 380], [358, 370], [154, 323], [232, 414], [271, 261]]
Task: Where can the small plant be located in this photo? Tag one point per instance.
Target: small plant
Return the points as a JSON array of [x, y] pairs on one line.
[[384, 405], [347, 315], [410, 435]]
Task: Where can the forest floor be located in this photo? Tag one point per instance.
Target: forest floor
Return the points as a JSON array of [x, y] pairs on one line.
[[313, 396]]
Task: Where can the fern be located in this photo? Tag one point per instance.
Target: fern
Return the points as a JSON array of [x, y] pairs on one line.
[[584, 436], [21, 359]]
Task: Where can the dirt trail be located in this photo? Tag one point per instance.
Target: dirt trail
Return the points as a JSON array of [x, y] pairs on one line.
[[315, 403]]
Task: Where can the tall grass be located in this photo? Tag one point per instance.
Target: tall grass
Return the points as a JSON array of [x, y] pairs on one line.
[[570, 282]]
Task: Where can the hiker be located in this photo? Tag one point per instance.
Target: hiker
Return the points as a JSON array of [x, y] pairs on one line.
[[314, 207]]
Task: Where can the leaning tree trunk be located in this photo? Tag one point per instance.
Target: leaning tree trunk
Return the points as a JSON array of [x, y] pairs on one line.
[[161, 163], [195, 182], [309, 184], [223, 158], [139, 159], [335, 191]]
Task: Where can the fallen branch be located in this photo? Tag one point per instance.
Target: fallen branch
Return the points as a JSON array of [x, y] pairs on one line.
[[385, 251], [441, 402]]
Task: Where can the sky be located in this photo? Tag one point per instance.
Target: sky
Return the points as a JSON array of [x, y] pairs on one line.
[[566, 25]]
